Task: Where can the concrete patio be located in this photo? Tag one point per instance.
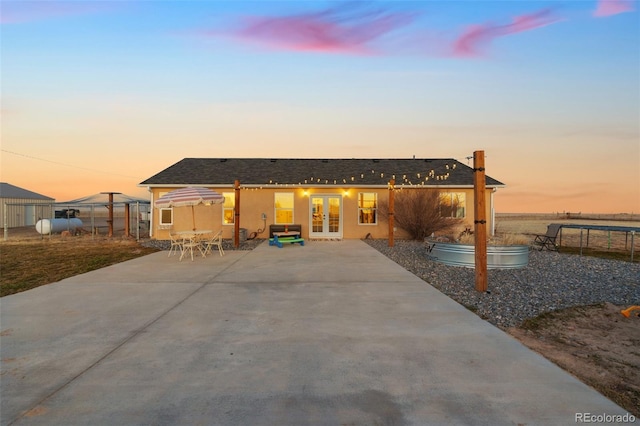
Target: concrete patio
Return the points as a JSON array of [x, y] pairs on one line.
[[332, 333]]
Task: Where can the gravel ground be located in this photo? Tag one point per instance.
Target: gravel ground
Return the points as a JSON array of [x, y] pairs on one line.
[[550, 282]]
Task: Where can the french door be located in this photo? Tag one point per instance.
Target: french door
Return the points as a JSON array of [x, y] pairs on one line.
[[326, 216]]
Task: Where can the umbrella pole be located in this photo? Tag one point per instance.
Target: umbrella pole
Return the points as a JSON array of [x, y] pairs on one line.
[[193, 217]]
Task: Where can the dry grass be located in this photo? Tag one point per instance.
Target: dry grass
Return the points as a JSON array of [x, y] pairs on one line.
[[611, 245], [530, 226], [31, 262], [502, 239]]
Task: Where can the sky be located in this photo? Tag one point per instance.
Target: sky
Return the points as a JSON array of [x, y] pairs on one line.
[[98, 96]]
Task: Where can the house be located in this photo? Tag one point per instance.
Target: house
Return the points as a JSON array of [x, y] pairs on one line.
[[21, 207], [329, 198]]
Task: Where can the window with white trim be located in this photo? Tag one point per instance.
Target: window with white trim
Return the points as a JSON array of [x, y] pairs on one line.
[[367, 208], [229, 208], [453, 204], [283, 207], [166, 216]]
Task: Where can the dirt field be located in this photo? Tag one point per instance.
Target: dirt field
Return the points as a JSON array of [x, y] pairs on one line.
[[597, 344]]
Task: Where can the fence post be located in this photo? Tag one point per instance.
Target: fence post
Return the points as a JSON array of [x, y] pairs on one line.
[[137, 220], [480, 220], [392, 183], [236, 225]]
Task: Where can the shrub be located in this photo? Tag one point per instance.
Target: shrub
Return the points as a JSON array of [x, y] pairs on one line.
[[418, 212]]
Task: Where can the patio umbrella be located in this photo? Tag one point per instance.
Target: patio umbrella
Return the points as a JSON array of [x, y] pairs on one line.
[[190, 196]]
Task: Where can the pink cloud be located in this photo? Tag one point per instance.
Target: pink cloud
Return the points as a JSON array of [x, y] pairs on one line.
[[612, 7], [477, 36], [340, 30]]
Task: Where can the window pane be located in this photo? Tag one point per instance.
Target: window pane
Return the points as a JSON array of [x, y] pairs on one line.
[[452, 204], [367, 207], [283, 203], [228, 213], [284, 216], [458, 204], [166, 216]]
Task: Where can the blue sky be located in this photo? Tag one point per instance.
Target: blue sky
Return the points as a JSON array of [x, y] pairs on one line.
[[98, 96]]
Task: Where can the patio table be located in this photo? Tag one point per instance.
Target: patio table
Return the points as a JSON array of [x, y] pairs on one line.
[[193, 240]]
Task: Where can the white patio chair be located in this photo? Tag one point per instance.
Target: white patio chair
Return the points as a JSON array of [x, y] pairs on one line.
[[215, 241], [176, 244], [189, 244]]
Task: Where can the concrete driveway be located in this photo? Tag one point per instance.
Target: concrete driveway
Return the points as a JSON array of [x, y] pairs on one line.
[[332, 333]]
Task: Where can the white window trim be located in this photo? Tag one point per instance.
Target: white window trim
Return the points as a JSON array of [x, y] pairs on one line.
[[450, 194], [233, 216], [375, 209], [161, 223], [293, 209]]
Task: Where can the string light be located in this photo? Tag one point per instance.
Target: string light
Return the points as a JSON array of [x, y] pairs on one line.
[[407, 179]]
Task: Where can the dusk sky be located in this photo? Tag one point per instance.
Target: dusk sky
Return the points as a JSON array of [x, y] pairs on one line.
[[98, 96]]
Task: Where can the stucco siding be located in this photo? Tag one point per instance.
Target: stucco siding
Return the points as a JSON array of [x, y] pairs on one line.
[[254, 202]]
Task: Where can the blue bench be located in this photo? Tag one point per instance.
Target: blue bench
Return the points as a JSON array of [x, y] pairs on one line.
[[275, 241]]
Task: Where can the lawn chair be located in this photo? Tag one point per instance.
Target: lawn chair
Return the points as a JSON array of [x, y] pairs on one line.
[[215, 241], [189, 244], [548, 240], [176, 244]]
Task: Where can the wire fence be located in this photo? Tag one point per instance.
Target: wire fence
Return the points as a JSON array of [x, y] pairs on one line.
[[44, 220]]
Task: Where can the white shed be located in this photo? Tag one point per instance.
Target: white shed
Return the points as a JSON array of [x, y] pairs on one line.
[[21, 207]]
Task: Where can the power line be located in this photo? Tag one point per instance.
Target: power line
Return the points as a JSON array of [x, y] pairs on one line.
[[66, 165]]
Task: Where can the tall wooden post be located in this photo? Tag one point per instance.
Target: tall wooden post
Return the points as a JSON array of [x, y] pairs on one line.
[[126, 220], [110, 220], [392, 182], [480, 220], [236, 220]]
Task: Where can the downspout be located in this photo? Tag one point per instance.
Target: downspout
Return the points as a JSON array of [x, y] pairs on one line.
[[150, 214]]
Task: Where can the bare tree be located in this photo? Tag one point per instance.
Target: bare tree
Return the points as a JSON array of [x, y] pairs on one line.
[[418, 212]]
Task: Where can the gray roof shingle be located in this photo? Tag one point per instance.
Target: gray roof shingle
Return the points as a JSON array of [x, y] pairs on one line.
[[11, 191], [316, 172]]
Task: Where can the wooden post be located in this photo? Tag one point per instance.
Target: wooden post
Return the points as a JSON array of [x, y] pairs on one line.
[[392, 182], [236, 221], [480, 220], [126, 220], [110, 220]]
